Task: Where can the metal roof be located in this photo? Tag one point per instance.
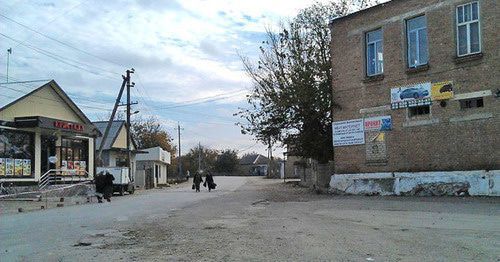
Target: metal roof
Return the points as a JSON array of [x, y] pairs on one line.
[[113, 133]]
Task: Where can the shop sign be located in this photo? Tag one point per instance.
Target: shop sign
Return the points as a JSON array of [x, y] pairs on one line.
[[442, 90], [378, 123], [349, 132], [68, 126], [411, 96]]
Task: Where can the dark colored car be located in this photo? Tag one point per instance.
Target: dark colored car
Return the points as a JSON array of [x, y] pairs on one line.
[[413, 92], [446, 88]]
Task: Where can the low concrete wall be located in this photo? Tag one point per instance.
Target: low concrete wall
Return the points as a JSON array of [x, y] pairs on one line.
[[474, 183]]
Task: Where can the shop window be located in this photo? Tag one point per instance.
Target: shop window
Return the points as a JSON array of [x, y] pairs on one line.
[[471, 103], [74, 156], [17, 152], [468, 29], [419, 111], [374, 53], [416, 34]]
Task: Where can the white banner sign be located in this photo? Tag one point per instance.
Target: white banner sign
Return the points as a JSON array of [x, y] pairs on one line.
[[349, 132], [409, 96]]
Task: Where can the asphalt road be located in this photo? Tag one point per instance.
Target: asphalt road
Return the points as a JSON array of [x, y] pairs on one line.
[[258, 220]]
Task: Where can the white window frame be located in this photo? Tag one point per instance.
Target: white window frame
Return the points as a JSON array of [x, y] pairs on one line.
[[467, 26], [378, 71], [417, 33]]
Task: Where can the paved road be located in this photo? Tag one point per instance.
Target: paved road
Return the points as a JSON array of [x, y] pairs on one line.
[[259, 220], [50, 234]]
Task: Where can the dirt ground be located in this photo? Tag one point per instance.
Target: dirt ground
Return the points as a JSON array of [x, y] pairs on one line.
[[267, 220]]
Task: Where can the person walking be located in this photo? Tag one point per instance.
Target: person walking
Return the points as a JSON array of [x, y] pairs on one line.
[[209, 181], [197, 180], [99, 186], [108, 186]]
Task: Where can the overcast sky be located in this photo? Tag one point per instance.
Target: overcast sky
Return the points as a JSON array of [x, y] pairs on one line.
[[182, 51]]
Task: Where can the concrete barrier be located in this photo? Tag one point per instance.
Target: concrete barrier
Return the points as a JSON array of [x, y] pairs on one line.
[[474, 183]]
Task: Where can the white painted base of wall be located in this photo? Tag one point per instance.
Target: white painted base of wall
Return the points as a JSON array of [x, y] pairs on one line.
[[480, 182]]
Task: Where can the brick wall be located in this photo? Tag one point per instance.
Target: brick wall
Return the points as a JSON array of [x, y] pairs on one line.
[[450, 138]]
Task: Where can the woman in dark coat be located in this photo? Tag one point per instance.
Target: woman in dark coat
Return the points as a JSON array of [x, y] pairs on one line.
[[99, 186], [108, 186], [209, 181], [197, 180]]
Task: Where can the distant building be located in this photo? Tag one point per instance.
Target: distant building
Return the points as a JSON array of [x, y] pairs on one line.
[[254, 165], [154, 162], [417, 88], [114, 153], [43, 132]]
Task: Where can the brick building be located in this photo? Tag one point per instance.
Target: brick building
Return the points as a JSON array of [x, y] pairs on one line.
[[390, 63]]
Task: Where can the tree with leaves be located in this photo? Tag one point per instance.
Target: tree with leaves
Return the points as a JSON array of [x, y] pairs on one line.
[[148, 132], [227, 161], [291, 101]]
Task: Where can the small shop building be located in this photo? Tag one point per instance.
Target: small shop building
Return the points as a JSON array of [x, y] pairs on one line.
[[44, 132], [152, 167]]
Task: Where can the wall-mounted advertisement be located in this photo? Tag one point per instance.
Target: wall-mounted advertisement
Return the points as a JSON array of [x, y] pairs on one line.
[[411, 96], [18, 169], [9, 167], [2, 166], [378, 123], [27, 167], [348, 133], [442, 90]]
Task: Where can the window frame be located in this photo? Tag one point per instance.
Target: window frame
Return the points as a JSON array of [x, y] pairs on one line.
[[367, 60], [410, 117], [467, 26], [417, 30]]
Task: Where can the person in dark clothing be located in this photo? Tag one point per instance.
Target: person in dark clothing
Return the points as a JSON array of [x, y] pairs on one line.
[[197, 180], [108, 186], [99, 186], [209, 181]]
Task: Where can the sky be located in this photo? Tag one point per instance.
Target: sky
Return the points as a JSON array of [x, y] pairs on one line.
[[186, 56]]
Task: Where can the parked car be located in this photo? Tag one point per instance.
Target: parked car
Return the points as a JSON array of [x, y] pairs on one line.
[[413, 92], [446, 88]]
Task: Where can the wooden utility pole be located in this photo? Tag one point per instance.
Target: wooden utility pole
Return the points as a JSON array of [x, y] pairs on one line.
[[129, 155], [179, 158]]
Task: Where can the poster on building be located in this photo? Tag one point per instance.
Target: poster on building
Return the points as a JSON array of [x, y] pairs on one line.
[[2, 166], [442, 90], [378, 123], [27, 167], [411, 96], [83, 167], [348, 133], [376, 149], [9, 167], [64, 167], [18, 169]]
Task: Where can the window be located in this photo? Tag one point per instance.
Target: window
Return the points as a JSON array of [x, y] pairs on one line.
[[471, 103], [374, 53], [468, 35], [419, 111], [17, 151], [416, 34], [74, 156]]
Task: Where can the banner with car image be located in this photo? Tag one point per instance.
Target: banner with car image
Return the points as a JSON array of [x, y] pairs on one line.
[[410, 96], [442, 90]]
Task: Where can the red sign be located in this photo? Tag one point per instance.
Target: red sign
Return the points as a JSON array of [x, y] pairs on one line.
[[68, 126]]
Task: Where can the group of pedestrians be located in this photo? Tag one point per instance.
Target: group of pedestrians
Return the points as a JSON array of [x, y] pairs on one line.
[[104, 186], [198, 179]]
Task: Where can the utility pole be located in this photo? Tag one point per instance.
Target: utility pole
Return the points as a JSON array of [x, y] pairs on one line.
[[179, 158], [129, 155], [9, 51], [199, 156]]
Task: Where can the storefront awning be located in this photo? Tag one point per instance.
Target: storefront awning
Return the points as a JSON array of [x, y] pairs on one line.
[[54, 124]]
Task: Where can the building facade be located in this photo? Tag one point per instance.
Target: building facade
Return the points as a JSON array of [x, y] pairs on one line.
[[44, 132], [114, 149], [156, 160], [417, 87]]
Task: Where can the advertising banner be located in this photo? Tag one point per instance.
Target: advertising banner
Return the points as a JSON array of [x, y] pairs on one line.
[[349, 132], [18, 167], [9, 167], [2, 166], [410, 96], [442, 90], [27, 167], [378, 123]]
